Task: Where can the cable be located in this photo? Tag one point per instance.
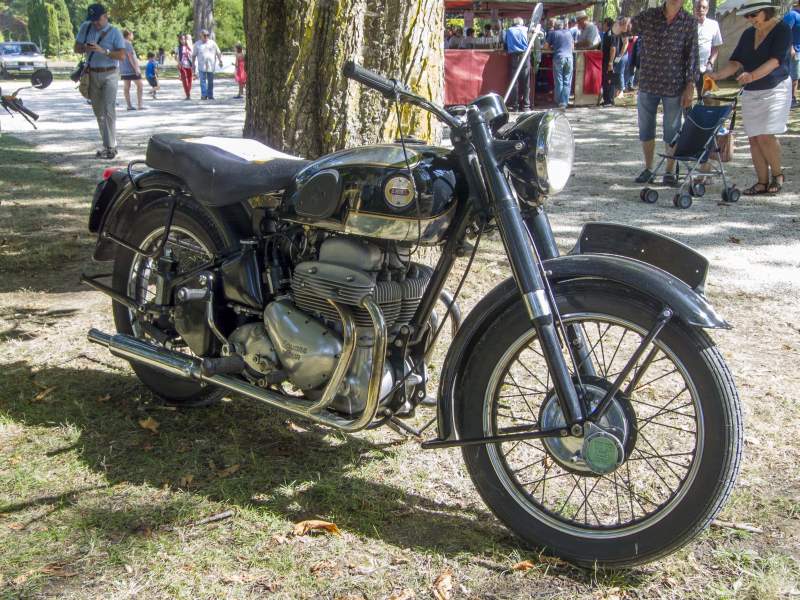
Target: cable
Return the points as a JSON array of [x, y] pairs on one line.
[[410, 175]]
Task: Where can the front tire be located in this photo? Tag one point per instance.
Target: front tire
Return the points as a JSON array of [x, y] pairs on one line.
[[632, 515], [190, 226]]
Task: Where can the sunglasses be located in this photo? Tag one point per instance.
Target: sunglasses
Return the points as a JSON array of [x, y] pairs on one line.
[[752, 15]]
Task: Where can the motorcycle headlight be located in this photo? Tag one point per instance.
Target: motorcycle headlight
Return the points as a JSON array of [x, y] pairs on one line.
[[547, 164]]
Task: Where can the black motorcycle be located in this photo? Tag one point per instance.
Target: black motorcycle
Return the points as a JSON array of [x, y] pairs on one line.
[[596, 416]]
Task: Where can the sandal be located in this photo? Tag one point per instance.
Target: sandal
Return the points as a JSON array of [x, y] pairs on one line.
[[775, 185], [757, 189]]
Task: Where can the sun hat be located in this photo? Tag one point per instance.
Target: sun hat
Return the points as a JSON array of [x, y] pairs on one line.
[[753, 6], [581, 14]]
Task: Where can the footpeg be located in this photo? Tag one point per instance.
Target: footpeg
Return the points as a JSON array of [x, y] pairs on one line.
[[226, 365]]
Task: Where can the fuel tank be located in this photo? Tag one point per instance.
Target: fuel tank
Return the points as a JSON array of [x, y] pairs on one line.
[[367, 191]]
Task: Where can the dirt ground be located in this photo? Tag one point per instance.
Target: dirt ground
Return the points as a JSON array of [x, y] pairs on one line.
[[94, 505]]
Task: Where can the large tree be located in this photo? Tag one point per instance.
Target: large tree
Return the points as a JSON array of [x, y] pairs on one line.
[[298, 99]]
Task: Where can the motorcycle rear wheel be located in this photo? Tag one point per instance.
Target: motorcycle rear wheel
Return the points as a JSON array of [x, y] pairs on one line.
[[193, 237], [682, 450]]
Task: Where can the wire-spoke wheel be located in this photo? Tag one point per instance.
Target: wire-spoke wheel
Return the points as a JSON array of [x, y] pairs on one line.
[[675, 420], [193, 240]]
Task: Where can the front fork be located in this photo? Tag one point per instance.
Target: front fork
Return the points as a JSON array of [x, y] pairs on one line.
[[523, 259]]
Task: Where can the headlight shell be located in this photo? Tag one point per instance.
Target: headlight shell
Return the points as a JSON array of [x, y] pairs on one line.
[[547, 164]]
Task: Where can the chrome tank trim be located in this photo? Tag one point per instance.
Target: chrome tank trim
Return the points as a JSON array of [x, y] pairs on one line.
[[401, 229]]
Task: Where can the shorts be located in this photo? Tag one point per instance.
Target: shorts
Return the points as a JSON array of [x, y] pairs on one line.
[[794, 67], [647, 108], [133, 77], [153, 81]]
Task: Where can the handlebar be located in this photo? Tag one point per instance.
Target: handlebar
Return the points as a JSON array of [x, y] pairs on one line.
[[393, 89]]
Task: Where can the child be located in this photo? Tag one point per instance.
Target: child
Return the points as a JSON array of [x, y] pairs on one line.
[[241, 71], [151, 72]]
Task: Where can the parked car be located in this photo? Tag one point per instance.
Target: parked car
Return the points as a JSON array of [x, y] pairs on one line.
[[20, 58]]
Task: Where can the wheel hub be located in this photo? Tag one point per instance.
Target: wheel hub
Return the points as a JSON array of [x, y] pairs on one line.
[[603, 446]]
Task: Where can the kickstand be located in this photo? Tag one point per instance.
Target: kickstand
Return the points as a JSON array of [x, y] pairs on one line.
[[400, 427]]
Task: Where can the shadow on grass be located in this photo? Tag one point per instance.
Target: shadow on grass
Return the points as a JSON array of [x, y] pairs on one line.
[[294, 474]]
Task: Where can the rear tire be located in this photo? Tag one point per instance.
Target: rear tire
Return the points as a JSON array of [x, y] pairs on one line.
[[686, 511], [191, 219]]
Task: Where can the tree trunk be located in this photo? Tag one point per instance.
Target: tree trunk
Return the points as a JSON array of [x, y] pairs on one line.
[[299, 101], [203, 17]]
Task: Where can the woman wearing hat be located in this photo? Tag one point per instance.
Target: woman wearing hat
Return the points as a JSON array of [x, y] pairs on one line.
[[763, 54]]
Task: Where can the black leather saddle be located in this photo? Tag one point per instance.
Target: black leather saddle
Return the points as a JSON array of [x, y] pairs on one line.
[[222, 171]]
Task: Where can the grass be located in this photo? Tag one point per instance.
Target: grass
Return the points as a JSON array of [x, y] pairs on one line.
[[94, 505]]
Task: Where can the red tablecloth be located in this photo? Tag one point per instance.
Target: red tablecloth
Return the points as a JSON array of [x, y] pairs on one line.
[[592, 75], [471, 73]]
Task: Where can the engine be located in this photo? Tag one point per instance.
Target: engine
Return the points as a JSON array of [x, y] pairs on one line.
[[301, 337]]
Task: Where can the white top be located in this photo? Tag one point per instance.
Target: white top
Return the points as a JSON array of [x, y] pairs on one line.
[[708, 36], [206, 54]]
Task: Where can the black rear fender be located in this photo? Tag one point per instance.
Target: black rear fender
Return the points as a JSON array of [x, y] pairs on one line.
[[117, 200], [628, 274]]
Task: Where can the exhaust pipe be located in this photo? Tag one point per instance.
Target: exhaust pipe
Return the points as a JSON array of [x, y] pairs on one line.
[[188, 367]]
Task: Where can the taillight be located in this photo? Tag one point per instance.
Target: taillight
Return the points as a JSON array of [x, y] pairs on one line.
[[108, 172]]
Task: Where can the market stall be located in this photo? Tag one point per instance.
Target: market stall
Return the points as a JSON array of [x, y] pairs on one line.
[[470, 73]]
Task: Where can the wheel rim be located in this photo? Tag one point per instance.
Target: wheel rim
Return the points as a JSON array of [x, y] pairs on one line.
[[185, 247], [654, 477]]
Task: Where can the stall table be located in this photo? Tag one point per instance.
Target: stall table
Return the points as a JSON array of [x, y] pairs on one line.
[[472, 73]]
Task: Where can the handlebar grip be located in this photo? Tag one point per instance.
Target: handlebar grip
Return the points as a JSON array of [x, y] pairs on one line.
[[370, 79], [18, 106]]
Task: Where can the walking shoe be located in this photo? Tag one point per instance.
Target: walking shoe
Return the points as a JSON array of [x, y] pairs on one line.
[[645, 176], [670, 179], [107, 153]]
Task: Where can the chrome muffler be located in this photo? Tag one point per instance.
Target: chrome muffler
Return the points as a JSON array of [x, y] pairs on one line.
[[188, 367]]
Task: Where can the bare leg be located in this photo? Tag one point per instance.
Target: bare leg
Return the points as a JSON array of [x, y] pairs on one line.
[[139, 92], [771, 151], [649, 151], [127, 91], [759, 162]]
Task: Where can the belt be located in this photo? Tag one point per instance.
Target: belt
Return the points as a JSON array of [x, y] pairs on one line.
[[102, 69]]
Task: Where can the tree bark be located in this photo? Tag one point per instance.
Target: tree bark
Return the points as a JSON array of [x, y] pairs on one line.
[[299, 101], [203, 11]]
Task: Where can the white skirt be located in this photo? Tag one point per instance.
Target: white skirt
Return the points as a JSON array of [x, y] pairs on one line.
[[767, 111]]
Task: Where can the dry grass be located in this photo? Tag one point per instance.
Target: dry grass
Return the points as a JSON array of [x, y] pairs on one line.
[[94, 505]]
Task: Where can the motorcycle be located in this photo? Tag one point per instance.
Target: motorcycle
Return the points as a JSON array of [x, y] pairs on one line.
[[595, 414]]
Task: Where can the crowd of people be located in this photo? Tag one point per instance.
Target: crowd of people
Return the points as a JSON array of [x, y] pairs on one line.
[[667, 54], [110, 56]]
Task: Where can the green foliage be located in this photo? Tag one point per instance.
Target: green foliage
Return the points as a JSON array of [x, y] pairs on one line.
[[154, 29], [229, 28], [77, 12], [37, 23], [66, 36], [51, 46]]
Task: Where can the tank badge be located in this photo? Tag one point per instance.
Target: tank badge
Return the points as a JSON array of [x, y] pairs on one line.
[[398, 191]]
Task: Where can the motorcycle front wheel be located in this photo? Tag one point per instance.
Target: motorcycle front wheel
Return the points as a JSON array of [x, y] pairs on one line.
[[677, 419]]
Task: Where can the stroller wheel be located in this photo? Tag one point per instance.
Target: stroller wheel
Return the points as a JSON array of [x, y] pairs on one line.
[[698, 189], [683, 200], [649, 196], [731, 194]]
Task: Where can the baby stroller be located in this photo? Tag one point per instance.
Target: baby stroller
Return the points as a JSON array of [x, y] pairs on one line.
[[696, 144]]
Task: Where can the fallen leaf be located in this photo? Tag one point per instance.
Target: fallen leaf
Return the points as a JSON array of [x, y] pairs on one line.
[[443, 585], [186, 480], [57, 570], [228, 470], [734, 240], [304, 527], [294, 428], [20, 579], [523, 565], [43, 394], [129, 569], [16, 526], [279, 539], [323, 565], [400, 560], [105, 398], [405, 594], [150, 424]]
